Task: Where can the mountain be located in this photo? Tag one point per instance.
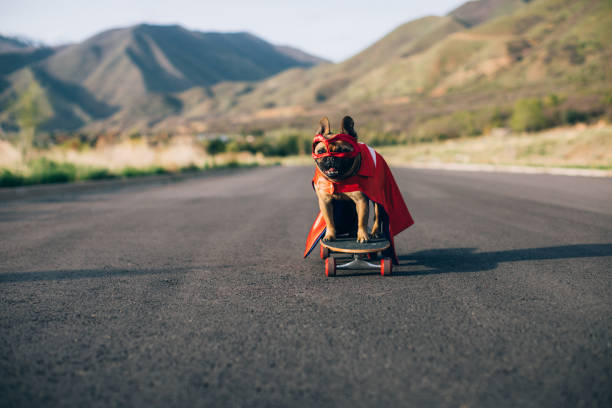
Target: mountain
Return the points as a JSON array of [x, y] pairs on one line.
[[299, 55], [485, 54], [137, 71], [9, 44], [436, 65], [16, 53], [329, 84]]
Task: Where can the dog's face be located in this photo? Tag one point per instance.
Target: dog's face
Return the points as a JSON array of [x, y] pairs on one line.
[[336, 168], [333, 167]]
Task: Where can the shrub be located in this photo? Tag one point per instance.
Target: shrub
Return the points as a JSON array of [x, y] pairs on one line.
[[528, 115], [499, 118], [383, 139], [44, 170], [189, 169], [288, 144], [464, 123], [95, 174], [10, 179], [139, 172], [572, 116], [553, 100], [216, 146]]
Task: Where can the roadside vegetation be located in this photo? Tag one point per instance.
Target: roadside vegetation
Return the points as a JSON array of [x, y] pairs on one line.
[[578, 146], [524, 115], [43, 170], [547, 131]]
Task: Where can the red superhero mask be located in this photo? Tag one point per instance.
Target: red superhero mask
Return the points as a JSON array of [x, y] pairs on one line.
[[328, 141]]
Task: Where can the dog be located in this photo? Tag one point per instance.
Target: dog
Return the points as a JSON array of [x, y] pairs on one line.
[[338, 158]]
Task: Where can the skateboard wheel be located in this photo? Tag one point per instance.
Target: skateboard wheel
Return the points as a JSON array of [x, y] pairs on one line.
[[324, 252], [330, 266], [386, 266]]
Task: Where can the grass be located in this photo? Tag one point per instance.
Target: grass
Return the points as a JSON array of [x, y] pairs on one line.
[[578, 147], [44, 171]]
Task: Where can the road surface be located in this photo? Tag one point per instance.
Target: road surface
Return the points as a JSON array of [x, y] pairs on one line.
[[195, 293]]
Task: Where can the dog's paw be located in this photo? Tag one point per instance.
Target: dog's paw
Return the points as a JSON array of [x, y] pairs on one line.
[[329, 237], [375, 234], [362, 236]]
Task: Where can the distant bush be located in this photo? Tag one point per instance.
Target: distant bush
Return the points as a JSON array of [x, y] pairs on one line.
[[75, 143], [233, 164], [41, 171], [10, 179], [382, 138], [288, 144], [499, 118], [95, 174], [528, 115], [44, 170], [553, 100], [284, 145], [140, 172], [216, 146], [572, 116], [189, 169], [458, 124]]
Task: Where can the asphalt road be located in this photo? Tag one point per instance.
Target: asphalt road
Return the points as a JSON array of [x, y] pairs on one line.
[[195, 293]]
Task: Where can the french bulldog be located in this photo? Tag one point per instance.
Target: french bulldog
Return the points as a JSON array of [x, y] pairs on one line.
[[338, 158]]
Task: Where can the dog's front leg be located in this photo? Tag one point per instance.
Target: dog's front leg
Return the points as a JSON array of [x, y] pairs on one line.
[[327, 209], [363, 207]]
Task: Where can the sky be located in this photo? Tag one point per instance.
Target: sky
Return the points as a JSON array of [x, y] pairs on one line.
[[334, 30]]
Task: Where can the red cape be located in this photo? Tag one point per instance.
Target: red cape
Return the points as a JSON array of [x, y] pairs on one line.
[[376, 181]]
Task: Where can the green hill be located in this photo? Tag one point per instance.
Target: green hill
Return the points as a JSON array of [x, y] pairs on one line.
[[479, 11], [445, 76], [434, 66]]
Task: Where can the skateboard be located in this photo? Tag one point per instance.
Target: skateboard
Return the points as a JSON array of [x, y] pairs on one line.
[[360, 253]]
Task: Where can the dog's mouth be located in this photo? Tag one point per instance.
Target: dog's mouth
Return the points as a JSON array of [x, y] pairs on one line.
[[335, 168], [332, 172]]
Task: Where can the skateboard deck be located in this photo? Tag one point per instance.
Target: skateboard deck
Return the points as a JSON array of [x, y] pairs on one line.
[[350, 245], [359, 251]]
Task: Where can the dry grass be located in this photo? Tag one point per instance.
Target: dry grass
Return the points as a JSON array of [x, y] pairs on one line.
[[180, 152], [129, 158], [588, 147], [579, 146]]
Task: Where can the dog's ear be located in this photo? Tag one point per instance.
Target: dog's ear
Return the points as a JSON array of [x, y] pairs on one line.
[[348, 126], [324, 128]]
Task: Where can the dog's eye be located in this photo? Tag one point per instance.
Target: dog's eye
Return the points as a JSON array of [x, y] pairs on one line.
[[320, 150]]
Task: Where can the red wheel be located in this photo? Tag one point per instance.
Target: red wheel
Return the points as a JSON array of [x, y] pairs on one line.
[[324, 252], [386, 266], [330, 266]]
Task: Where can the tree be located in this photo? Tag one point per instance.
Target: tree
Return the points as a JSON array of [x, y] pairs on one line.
[[528, 115]]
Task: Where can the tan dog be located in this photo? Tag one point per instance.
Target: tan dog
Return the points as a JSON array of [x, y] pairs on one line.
[[337, 169]]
